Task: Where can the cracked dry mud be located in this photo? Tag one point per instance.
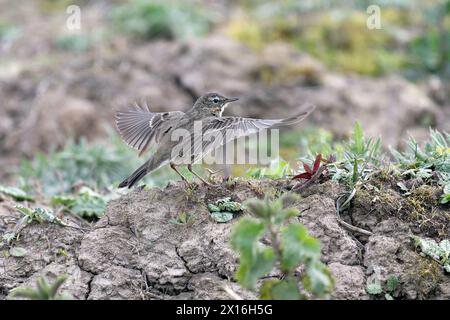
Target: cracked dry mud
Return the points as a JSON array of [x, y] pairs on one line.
[[135, 252]]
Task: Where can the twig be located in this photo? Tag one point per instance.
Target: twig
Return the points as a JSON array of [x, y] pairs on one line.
[[345, 224], [346, 202], [353, 228]]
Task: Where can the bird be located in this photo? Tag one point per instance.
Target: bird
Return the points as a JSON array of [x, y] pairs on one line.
[[143, 129]]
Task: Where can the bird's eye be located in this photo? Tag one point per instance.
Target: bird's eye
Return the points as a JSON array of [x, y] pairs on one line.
[[215, 100]]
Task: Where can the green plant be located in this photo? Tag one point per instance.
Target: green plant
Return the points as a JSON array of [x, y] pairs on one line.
[[98, 166], [43, 291], [446, 195], [435, 155], [86, 204], [432, 162], [361, 156], [38, 215], [428, 51], [278, 168], [15, 193], [74, 42], [439, 252], [17, 252], [375, 288], [8, 32], [161, 19], [315, 141], [224, 209], [290, 247], [182, 218]]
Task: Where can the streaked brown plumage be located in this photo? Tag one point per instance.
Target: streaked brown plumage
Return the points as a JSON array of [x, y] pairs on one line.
[[142, 129]]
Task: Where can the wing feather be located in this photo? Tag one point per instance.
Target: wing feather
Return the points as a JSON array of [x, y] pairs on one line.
[[140, 128], [238, 127]]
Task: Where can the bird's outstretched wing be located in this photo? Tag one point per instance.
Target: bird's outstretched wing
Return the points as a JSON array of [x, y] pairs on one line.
[[231, 128], [142, 129]]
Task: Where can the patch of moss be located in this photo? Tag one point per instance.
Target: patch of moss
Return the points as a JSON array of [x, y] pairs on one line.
[[383, 202], [422, 200], [422, 211], [428, 275]]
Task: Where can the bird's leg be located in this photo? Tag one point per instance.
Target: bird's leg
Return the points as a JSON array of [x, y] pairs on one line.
[[211, 173], [172, 165], [189, 166]]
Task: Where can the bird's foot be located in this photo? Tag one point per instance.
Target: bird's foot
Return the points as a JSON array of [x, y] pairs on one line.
[[188, 184], [212, 173]]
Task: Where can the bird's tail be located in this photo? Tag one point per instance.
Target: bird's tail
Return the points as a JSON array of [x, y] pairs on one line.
[[138, 174]]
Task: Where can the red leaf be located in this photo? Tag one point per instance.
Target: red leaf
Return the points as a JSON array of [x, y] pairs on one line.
[[317, 163], [307, 168], [304, 175]]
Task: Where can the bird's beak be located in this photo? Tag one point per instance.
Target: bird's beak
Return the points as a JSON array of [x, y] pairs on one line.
[[232, 99]]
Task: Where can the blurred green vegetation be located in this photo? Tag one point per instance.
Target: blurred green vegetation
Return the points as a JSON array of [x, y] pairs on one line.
[[414, 36], [161, 19], [74, 42], [7, 31], [98, 166]]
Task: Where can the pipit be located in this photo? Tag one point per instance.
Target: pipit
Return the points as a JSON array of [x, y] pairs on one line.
[[142, 129]]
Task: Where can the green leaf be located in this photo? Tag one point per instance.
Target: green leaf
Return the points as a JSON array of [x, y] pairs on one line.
[[53, 289], [358, 138], [402, 186], [245, 234], [182, 218], [374, 288], [297, 246], [447, 267], [222, 210], [39, 215], [286, 289], [445, 246], [430, 247], [222, 217], [253, 267], [18, 251], [89, 204], [43, 290], [447, 189], [66, 201], [8, 237], [213, 208], [265, 291], [387, 296], [227, 205], [258, 208], [318, 279], [392, 283], [25, 293], [16, 193], [26, 211], [445, 198], [278, 168], [255, 260]]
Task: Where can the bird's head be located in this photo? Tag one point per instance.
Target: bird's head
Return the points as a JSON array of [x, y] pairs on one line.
[[213, 103]]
